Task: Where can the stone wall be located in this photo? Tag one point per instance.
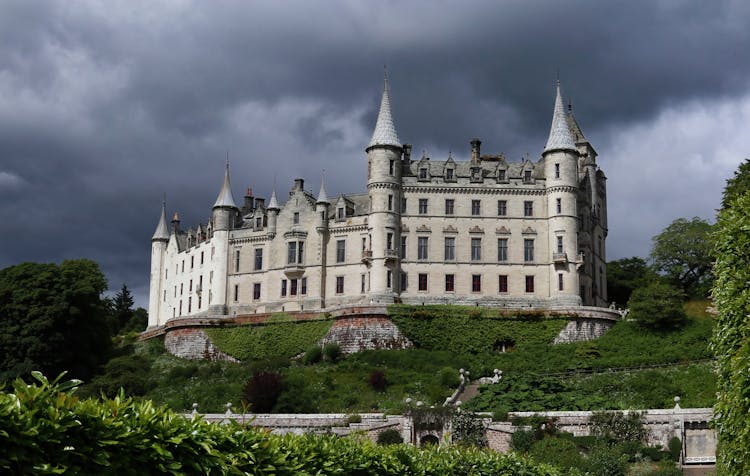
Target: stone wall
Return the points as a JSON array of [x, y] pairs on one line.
[[355, 334], [193, 344], [583, 329]]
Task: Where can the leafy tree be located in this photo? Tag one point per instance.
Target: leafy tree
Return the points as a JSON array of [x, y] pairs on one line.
[[737, 185], [657, 306], [263, 390], [625, 275], [52, 318], [731, 340], [682, 253], [469, 430]]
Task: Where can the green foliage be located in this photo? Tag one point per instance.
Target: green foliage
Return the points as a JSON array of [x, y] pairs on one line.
[[285, 339], [44, 429], [618, 427], [522, 440], [262, 391], [332, 351], [448, 377], [559, 452], [377, 380], [606, 460], [731, 340], [682, 252], [657, 306], [389, 437], [53, 319], [313, 355], [468, 430], [120, 310], [737, 186], [626, 275], [675, 448], [129, 373]]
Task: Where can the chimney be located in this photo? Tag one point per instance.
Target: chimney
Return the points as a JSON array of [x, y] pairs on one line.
[[299, 184], [175, 223], [475, 150], [407, 153], [260, 202], [247, 207]]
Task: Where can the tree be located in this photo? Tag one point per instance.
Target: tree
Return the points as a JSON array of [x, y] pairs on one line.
[[731, 339], [625, 275], [657, 306], [682, 253], [52, 318], [737, 185]]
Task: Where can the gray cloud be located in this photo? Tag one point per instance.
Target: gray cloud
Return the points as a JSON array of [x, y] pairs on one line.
[[104, 106]]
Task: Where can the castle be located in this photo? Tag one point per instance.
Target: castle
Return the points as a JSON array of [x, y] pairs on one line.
[[482, 231]]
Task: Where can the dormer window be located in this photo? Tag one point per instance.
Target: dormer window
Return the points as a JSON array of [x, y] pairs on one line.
[[476, 174], [340, 215], [295, 219], [423, 173], [448, 174], [501, 175], [527, 176], [258, 223]]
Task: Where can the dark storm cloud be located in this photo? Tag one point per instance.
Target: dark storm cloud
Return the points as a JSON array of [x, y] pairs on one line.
[[105, 106]]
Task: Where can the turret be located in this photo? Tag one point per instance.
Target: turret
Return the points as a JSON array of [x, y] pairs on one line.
[[273, 213], [158, 252], [384, 189], [223, 217], [224, 209], [561, 174], [321, 206]]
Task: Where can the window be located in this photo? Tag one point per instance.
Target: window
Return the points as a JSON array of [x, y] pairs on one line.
[[362, 284], [391, 166], [557, 170], [448, 174], [476, 249], [236, 261], [476, 283], [502, 249], [528, 208], [449, 202], [450, 248], [183, 266], [502, 208], [303, 286], [364, 243], [528, 250], [527, 176], [390, 202], [201, 257], [403, 281], [175, 290], [192, 262], [559, 281], [475, 207], [181, 285], [258, 223], [236, 293], [283, 288], [256, 291], [501, 175], [423, 173], [339, 285], [180, 307], [340, 213], [340, 251], [450, 283], [294, 252], [190, 286], [403, 247], [559, 244], [422, 282], [559, 205], [258, 258], [292, 287], [389, 241], [165, 296], [423, 206], [529, 284], [422, 247], [389, 279], [502, 283], [403, 205]]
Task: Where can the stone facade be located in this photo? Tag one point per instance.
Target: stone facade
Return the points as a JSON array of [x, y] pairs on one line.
[[481, 231]]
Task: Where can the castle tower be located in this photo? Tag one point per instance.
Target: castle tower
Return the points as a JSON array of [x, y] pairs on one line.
[[223, 216], [273, 212], [158, 252], [561, 173], [384, 190], [321, 208]]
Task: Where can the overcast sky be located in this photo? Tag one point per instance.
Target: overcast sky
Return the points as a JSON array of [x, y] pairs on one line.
[[106, 106]]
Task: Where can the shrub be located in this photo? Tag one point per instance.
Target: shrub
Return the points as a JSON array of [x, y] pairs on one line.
[[468, 430], [605, 460], [313, 355], [560, 452], [657, 306], [377, 380], [675, 448], [332, 351], [448, 377], [390, 437], [522, 440], [618, 427], [654, 453], [262, 391], [354, 418]]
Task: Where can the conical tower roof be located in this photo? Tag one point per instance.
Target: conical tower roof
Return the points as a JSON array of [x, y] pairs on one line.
[[225, 198], [322, 195], [162, 232], [560, 137], [273, 203], [385, 129]]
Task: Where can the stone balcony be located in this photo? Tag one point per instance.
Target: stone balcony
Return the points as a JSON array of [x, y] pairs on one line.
[[391, 255], [560, 258], [366, 256]]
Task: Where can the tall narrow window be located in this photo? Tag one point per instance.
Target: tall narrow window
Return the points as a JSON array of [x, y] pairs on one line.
[[502, 249], [303, 286], [557, 170], [448, 174], [201, 257], [476, 207], [528, 208], [362, 284], [423, 173], [403, 205], [423, 206], [192, 262], [476, 283], [389, 241], [527, 176], [529, 284], [388, 279], [403, 247], [476, 249], [291, 256], [237, 261], [295, 218], [390, 203], [403, 281], [236, 292], [258, 258], [391, 166], [502, 285], [449, 206], [339, 285], [256, 291], [283, 288], [450, 283], [502, 208], [340, 251], [450, 248], [300, 247], [528, 250], [258, 223], [501, 175], [422, 281], [559, 244], [293, 287], [422, 247], [559, 281], [559, 205]]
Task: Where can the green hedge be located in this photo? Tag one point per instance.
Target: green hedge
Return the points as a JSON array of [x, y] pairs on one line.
[[285, 339], [45, 429]]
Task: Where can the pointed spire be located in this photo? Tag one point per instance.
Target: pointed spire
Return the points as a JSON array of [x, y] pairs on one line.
[[273, 204], [225, 198], [322, 195], [560, 137], [162, 232], [385, 130]]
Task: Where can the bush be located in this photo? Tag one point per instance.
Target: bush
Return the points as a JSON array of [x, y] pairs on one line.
[[675, 448], [354, 418], [313, 355], [618, 427], [262, 391], [560, 452], [468, 430], [657, 306], [390, 437], [377, 380], [332, 351], [522, 440], [448, 377], [605, 460]]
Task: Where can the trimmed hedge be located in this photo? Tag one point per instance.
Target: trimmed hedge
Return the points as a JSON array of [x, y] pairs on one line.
[[284, 339], [45, 429]]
